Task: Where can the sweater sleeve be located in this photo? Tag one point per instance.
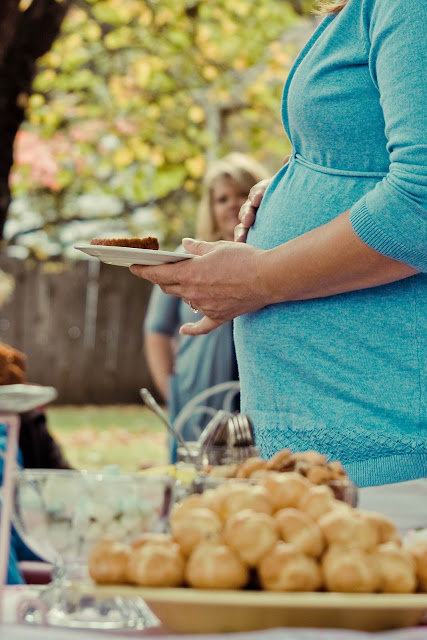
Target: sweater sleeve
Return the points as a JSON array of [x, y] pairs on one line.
[[392, 217]]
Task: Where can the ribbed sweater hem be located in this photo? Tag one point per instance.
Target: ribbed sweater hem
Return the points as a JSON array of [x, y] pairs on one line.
[[376, 471]]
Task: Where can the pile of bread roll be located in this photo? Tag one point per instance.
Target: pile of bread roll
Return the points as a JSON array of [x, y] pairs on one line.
[[312, 465], [284, 532]]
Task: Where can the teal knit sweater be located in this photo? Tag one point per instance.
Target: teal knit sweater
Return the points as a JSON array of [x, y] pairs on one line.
[[347, 374]]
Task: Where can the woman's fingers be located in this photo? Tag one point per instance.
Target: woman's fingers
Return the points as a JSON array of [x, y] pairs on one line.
[[169, 275], [248, 211], [164, 273], [198, 247], [256, 194], [240, 233], [202, 326], [222, 283]]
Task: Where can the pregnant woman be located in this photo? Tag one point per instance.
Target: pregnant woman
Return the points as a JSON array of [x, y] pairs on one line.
[[330, 290]]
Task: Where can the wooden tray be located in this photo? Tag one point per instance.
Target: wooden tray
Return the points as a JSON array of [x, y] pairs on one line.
[[204, 611]]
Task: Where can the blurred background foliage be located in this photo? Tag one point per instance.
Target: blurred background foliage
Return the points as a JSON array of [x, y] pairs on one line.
[[132, 101]]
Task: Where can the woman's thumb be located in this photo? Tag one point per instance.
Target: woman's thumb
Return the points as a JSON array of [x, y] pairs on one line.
[[196, 247]]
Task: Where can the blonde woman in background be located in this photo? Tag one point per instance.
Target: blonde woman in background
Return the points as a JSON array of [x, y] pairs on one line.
[[183, 366]]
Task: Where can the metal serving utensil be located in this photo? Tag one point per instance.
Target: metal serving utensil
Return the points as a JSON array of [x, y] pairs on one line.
[[241, 438], [154, 406], [214, 438]]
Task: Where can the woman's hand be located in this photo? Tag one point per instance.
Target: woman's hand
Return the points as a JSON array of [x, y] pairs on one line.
[[249, 210], [223, 281]]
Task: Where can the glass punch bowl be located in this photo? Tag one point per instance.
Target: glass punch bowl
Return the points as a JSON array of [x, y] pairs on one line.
[[61, 514]]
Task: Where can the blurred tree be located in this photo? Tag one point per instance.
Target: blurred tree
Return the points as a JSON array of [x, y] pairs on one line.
[[27, 30], [131, 101]]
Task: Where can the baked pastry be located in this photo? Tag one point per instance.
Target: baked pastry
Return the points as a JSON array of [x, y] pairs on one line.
[[300, 530], [251, 535], [387, 530], [250, 466], [108, 562], [279, 460], [350, 529], [156, 565], [135, 243], [154, 538], [350, 570], [396, 567], [223, 470], [418, 551], [215, 566], [232, 497], [181, 510], [285, 568], [285, 489], [318, 501], [201, 524]]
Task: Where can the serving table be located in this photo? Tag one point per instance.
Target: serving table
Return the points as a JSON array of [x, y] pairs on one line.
[[13, 628]]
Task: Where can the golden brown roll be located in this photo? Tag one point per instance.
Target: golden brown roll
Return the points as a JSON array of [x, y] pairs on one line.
[[338, 472], [279, 459], [285, 489], [312, 457], [251, 535], [387, 530], [319, 474], [249, 466], [215, 566], [350, 570], [233, 497], [156, 565], [201, 524], [108, 561], [155, 538], [285, 568], [418, 551], [349, 528], [396, 567], [224, 471], [300, 530], [317, 501], [180, 510]]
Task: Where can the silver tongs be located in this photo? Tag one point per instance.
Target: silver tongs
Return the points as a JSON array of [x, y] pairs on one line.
[[241, 438], [214, 439], [227, 438]]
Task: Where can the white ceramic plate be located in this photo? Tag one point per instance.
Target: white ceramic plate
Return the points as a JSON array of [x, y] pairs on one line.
[[203, 611], [18, 398], [126, 256]]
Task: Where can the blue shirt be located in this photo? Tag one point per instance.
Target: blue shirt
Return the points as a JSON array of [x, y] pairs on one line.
[[18, 550], [200, 361], [346, 375]]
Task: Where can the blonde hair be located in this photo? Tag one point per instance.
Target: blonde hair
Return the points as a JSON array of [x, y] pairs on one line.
[[243, 170], [326, 6]]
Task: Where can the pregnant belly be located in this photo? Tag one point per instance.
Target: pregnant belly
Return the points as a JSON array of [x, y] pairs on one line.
[[301, 198]]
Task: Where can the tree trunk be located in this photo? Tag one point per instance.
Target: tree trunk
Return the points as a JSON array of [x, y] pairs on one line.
[[24, 37]]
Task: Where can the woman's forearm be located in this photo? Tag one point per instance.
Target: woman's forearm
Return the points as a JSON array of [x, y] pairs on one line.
[[160, 358], [230, 279], [328, 260]]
